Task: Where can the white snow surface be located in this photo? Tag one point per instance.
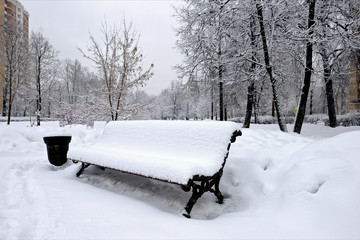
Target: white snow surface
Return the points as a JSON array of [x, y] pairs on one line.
[[174, 151], [276, 186]]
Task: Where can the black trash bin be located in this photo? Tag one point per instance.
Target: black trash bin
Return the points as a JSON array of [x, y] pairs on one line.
[[57, 148]]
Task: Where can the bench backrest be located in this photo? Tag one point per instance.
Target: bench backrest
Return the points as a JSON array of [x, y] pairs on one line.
[[201, 139]]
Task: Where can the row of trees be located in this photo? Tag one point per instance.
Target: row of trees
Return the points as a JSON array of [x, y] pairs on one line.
[[279, 52], [37, 83], [246, 57]]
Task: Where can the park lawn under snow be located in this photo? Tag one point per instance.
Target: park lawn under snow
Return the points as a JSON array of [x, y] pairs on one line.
[[276, 185]]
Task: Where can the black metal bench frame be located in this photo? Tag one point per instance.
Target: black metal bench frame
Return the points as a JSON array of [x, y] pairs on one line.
[[198, 184]]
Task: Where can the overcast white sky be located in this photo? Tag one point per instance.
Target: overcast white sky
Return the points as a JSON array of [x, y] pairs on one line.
[[67, 23]]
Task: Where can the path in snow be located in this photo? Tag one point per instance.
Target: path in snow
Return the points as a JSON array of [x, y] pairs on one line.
[[25, 202]]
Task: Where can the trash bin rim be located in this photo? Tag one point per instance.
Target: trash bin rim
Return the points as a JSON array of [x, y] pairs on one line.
[[57, 134], [57, 139]]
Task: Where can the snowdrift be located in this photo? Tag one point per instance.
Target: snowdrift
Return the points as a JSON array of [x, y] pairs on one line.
[[276, 185]]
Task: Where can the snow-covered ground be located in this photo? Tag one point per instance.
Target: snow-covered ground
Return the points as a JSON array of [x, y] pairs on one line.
[[276, 185]]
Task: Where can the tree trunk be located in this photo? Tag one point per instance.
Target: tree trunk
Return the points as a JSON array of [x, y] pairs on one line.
[[4, 105], [324, 103], [9, 116], [308, 70], [251, 88], [225, 114], [269, 69], [221, 101], [5, 97], [111, 107], [249, 105], [212, 109], [256, 106], [256, 109], [118, 106], [38, 102], [212, 101], [311, 102], [329, 93], [49, 109], [38, 113], [10, 94]]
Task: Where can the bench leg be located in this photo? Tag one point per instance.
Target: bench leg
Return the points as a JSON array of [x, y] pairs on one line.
[[198, 191], [83, 166], [217, 192]]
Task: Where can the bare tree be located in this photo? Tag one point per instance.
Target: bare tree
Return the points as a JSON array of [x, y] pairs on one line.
[[43, 56], [207, 44], [78, 96], [269, 68], [251, 96], [338, 32], [119, 61], [74, 77], [308, 69]]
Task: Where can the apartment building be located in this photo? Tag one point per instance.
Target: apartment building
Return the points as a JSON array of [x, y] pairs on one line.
[[15, 18]]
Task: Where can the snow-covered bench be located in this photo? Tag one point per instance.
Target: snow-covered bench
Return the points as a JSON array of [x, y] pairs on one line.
[[188, 153]]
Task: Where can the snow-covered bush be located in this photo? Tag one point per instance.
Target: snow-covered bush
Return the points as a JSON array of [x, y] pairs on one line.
[[347, 120], [319, 119]]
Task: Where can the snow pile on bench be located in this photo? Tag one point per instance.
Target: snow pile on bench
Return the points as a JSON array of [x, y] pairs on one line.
[[174, 151]]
